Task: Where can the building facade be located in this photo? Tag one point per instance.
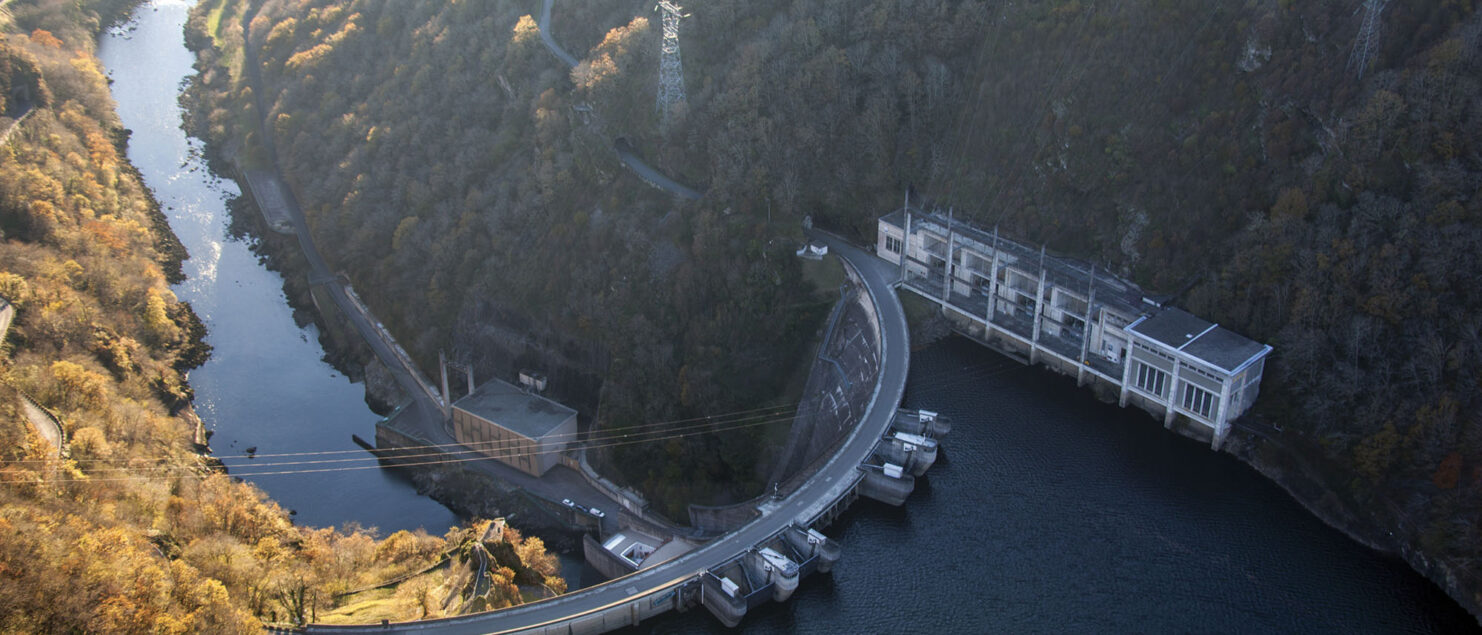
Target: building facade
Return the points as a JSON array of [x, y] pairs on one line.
[[519, 428], [1186, 366], [1067, 315]]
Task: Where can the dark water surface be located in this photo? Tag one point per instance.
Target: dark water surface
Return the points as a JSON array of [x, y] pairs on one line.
[[1054, 512], [266, 385], [1049, 512]]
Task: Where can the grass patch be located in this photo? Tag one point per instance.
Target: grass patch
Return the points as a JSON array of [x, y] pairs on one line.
[[216, 21], [369, 607], [825, 275], [213, 21]]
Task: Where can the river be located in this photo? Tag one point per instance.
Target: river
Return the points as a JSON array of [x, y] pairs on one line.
[[1049, 512], [266, 385]]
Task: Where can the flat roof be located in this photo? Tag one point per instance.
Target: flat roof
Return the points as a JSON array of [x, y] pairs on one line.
[[896, 218], [509, 406], [1172, 327], [661, 550], [1068, 274], [1199, 338]]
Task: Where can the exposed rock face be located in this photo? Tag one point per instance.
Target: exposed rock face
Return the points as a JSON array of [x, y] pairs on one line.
[[382, 393]]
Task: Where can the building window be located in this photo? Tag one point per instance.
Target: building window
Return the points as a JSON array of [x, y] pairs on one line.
[[1151, 379], [1077, 325], [1198, 400], [892, 244]]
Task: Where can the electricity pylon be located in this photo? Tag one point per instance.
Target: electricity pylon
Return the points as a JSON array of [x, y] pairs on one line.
[[671, 69], [1367, 42]]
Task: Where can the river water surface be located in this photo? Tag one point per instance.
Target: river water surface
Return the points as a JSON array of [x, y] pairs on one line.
[[1050, 511], [266, 384]]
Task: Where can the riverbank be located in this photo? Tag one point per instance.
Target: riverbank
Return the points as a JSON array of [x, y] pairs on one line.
[[1305, 484], [279, 252]]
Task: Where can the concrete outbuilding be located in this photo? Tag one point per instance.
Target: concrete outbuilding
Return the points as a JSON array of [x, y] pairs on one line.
[[520, 428]]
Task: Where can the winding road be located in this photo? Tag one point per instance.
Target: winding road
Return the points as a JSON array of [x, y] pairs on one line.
[[424, 401], [624, 150], [835, 480], [831, 483]]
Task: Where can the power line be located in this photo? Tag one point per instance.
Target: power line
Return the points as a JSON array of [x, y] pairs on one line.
[[471, 448], [706, 419], [482, 457], [645, 433]]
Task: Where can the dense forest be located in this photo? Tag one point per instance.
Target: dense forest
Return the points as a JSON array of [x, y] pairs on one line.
[[1309, 193], [130, 527], [503, 229]]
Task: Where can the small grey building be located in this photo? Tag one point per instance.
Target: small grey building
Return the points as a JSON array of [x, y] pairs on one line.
[[522, 429]]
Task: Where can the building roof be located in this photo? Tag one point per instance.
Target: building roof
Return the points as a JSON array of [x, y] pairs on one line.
[[512, 408], [896, 218], [1065, 273], [1199, 338], [1172, 327], [660, 549]]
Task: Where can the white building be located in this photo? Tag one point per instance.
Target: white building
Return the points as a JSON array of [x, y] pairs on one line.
[[1062, 313], [1187, 366]]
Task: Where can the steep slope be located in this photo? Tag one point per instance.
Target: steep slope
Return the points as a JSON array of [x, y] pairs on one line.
[[129, 528], [1234, 151], [446, 166]]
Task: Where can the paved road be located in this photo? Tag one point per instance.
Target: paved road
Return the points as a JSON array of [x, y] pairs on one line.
[[423, 415], [43, 423], [643, 170], [319, 271], [831, 482], [652, 176], [5, 136], [550, 42]]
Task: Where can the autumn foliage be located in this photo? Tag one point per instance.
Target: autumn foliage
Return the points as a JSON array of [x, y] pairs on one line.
[[132, 530]]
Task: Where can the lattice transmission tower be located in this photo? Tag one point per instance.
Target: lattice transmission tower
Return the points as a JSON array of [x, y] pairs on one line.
[[1367, 42], [671, 69]]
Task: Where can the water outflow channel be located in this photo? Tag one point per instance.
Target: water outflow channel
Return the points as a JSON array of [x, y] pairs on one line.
[[1049, 511], [266, 384]]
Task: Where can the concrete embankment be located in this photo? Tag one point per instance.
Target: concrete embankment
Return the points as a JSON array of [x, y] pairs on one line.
[[838, 391]]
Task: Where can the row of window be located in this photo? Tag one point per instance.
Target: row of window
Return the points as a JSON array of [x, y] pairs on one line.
[[1187, 366], [1198, 400], [1154, 351], [1205, 373], [1195, 399], [892, 244], [1151, 379]]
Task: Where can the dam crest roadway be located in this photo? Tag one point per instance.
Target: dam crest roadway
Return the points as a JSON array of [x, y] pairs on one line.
[[761, 560], [759, 548]]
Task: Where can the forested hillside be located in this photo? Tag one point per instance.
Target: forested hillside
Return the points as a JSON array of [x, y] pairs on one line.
[[131, 529], [1321, 202], [442, 164]]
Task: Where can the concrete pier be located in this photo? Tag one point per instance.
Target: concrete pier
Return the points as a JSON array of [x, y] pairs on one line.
[[913, 452], [922, 422], [889, 484]]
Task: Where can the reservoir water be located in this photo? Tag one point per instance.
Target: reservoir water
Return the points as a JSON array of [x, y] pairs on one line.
[[1054, 512], [1049, 512], [266, 384]]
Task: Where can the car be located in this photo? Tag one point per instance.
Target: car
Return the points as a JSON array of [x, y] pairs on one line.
[[567, 502], [598, 513]]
